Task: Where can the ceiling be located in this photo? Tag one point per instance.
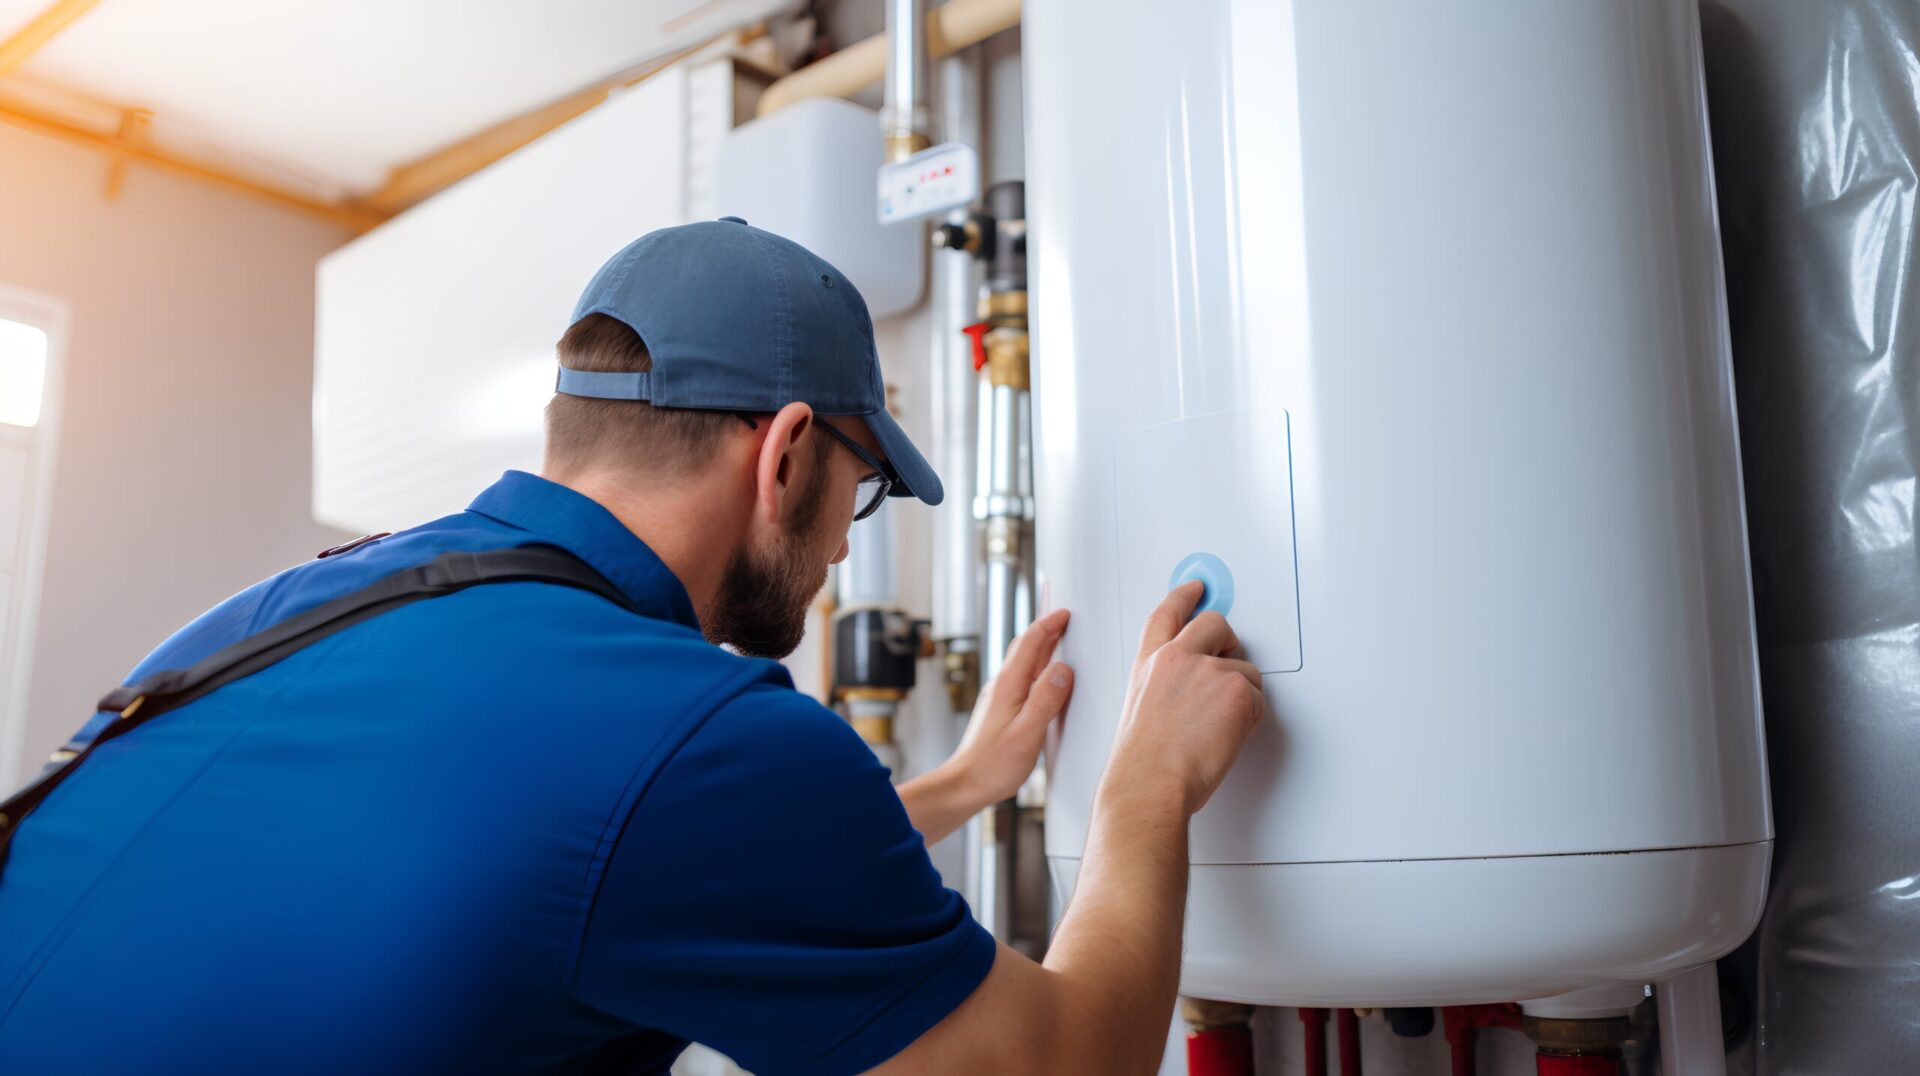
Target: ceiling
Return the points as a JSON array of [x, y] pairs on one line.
[[328, 96]]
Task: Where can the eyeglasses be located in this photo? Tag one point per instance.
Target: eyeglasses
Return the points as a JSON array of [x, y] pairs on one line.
[[871, 491]]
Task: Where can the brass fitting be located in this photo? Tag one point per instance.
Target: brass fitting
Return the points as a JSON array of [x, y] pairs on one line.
[[1578, 1038], [874, 730], [1007, 308], [873, 694], [1205, 1014], [904, 144], [1007, 352], [1001, 536], [962, 679]]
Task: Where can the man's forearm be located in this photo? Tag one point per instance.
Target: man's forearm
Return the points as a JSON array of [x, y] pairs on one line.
[[1117, 952], [1103, 1000], [939, 802]]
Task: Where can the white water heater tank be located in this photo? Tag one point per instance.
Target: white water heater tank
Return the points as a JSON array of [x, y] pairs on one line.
[[1403, 324]]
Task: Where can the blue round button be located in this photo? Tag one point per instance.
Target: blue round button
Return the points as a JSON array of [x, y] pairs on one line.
[[1211, 571]]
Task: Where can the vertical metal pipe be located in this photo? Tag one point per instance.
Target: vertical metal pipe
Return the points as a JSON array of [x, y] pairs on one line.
[[956, 386], [1003, 509], [956, 438], [1005, 151], [905, 116], [999, 507], [869, 577], [1023, 602]]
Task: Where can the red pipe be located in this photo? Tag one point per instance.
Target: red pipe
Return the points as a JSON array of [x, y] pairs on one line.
[[1463, 1024], [1220, 1051], [1349, 1026], [1460, 1049], [1313, 1025]]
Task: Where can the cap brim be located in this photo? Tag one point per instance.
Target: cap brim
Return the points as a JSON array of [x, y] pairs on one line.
[[915, 475]]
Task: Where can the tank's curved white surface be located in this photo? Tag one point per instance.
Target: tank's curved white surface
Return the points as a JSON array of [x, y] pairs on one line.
[[1424, 302]]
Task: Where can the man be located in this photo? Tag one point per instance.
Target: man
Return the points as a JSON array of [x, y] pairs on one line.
[[526, 827]]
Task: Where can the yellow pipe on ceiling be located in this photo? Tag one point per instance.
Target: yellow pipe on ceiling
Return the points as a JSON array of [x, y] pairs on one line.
[[45, 26], [20, 114]]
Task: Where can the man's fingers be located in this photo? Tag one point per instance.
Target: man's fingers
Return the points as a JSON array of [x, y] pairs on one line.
[[1250, 673], [1209, 633], [1170, 616], [1245, 668], [1049, 695], [1030, 652]]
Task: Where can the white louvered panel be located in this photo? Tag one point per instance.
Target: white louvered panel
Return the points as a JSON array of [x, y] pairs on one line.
[[435, 332]]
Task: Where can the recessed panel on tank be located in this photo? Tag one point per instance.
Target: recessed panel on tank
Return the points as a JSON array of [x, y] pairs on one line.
[[1211, 498]]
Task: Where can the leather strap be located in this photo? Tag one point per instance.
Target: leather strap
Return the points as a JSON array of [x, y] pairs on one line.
[[173, 688]]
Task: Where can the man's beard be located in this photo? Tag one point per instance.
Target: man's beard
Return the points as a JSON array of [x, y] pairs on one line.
[[761, 609]]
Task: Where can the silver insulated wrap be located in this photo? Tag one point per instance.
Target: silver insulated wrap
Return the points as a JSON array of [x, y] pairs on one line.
[[1816, 138]]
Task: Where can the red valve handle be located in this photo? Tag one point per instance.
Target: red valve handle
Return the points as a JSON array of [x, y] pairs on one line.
[[979, 334]]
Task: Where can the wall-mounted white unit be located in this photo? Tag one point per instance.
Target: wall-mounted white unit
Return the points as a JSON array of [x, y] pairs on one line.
[[807, 172], [1410, 316], [435, 332]]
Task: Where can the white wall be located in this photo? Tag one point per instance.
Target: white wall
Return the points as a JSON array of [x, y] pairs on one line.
[[182, 468]]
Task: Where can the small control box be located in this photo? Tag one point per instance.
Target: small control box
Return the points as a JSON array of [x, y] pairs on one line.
[[931, 181]]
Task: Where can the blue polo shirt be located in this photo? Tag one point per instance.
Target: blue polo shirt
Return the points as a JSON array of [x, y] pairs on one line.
[[512, 829]]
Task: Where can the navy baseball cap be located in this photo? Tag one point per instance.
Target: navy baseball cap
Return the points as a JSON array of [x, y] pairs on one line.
[[740, 319]]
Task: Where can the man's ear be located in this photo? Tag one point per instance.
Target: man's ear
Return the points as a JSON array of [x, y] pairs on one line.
[[778, 462]]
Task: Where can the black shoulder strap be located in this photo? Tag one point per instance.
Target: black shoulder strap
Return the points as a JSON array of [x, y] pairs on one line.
[[171, 689]]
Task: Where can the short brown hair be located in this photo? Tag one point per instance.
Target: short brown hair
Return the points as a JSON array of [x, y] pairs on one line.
[[626, 434]]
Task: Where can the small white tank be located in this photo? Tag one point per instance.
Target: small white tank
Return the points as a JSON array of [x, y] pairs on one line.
[[1407, 319]]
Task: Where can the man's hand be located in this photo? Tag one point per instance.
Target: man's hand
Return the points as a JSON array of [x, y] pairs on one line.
[[1003, 737], [1009, 723], [1191, 705], [1101, 1002]]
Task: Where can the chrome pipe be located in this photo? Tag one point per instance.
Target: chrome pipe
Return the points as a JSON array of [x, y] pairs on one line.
[[904, 116], [955, 386], [1006, 509]]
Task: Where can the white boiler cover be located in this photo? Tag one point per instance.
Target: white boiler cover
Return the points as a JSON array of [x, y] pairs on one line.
[[1404, 323]]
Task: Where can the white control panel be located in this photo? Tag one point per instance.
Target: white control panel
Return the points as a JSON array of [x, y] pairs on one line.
[[1211, 498], [931, 181]]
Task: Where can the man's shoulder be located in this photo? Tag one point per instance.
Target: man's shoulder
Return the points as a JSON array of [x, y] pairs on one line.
[[488, 644], [335, 572], [569, 639], [579, 643]]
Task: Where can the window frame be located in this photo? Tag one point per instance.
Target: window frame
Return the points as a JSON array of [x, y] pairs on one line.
[[20, 617]]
